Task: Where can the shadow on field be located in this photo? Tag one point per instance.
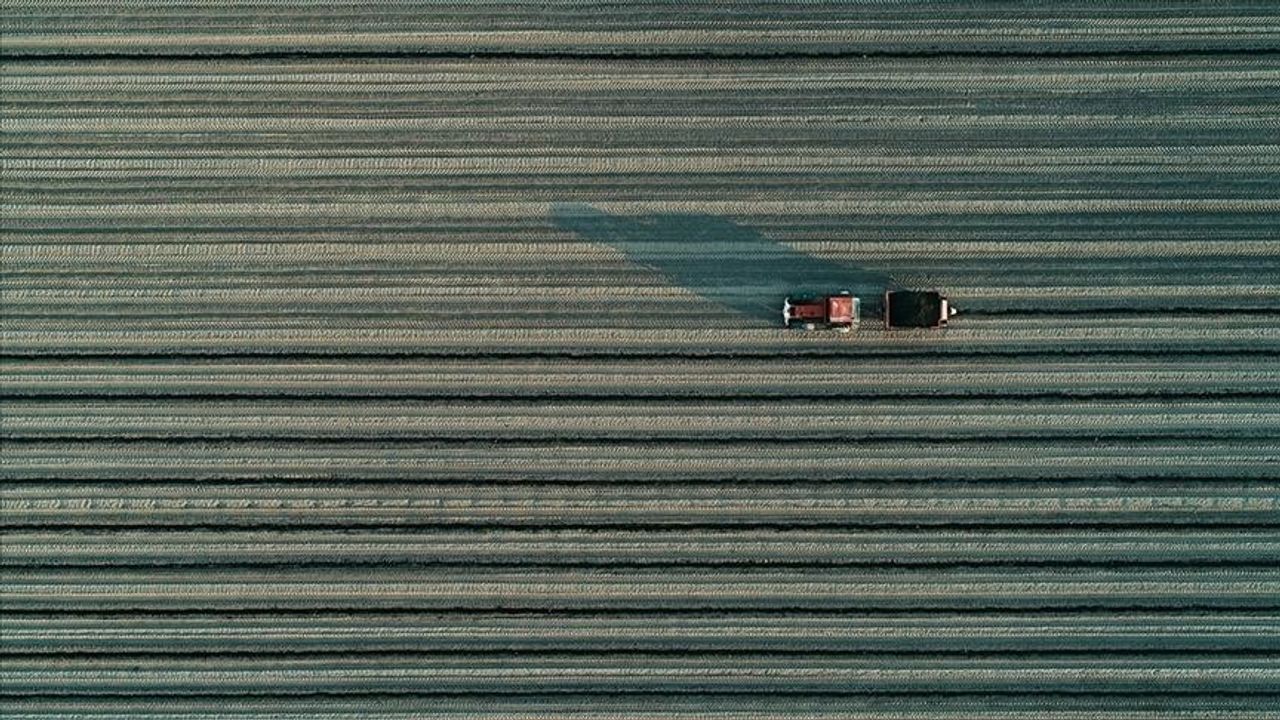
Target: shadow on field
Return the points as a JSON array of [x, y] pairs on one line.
[[722, 261]]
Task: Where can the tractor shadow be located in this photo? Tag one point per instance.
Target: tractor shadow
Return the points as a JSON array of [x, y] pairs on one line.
[[724, 262]]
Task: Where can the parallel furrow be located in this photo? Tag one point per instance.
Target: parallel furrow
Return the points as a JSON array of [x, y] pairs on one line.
[[176, 634], [528, 379], [393, 334], [205, 503], [638, 547], [625, 463], [555, 674], [482, 588], [808, 421]]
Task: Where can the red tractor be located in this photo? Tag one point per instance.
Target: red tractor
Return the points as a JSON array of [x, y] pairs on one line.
[[832, 311], [902, 309]]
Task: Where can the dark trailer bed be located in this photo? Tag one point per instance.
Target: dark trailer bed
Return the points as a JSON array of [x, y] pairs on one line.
[[915, 309]]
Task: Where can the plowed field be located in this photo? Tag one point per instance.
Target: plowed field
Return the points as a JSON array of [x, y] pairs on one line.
[[424, 360]]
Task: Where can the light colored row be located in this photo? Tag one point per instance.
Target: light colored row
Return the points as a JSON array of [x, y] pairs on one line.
[[650, 27], [207, 503], [409, 335], [535, 588], [537, 378], [793, 632], [632, 462], [776, 420], [621, 548], [557, 673], [612, 706]]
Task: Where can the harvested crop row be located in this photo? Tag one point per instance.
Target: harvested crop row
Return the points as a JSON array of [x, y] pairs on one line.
[[645, 27], [639, 462], [634, 298], [396, 335], [964, 706], [173, 171], [689, 673], [448, 250], [535, 378], [671, 504], [481, 588], [757, 29], [638, 420], [622, 548], [279, 81], [176, 634]]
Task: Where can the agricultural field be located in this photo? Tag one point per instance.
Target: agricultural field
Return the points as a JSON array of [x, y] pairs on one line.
[[402, 360]]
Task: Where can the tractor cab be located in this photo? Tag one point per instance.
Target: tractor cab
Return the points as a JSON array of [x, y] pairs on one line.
[[839, 312]]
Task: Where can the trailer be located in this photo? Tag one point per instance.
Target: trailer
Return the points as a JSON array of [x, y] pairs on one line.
[[916, 309], [839, 312]]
